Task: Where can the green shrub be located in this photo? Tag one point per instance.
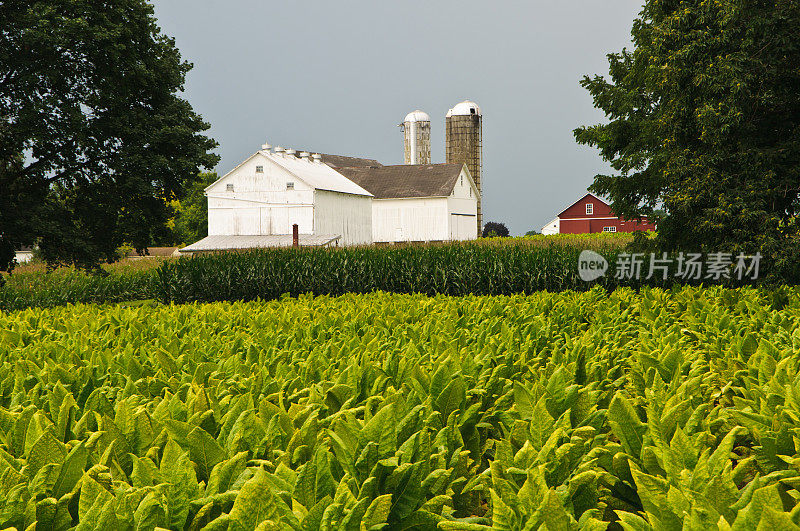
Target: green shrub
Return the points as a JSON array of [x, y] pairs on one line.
[[42, 290]]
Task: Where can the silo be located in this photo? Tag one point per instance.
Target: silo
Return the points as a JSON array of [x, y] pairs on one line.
[[463, 143], [417, 137]]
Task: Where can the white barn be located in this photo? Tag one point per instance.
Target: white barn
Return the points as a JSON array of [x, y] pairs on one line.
[[426, 202], [256, 204], [336, 200], [24, 255]]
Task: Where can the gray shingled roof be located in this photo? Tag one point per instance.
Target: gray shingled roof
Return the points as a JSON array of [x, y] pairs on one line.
[[420, 180], [341, 161], [236, 243]]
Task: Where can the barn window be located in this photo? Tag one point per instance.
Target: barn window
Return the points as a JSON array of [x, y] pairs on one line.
[[229, 187], [589, 209], [470, 192], [609, 229], [462, 180], [290, 186], [259, 169]]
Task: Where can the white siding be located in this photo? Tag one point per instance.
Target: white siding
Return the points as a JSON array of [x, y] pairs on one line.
[[346, 215], [400, 220], [23, 257], [463, 227], [462, 206], [428, 218], [554, 227], [259, 203]]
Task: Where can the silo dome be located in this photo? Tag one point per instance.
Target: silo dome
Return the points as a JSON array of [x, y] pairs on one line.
[[465, 108], [417, 116]]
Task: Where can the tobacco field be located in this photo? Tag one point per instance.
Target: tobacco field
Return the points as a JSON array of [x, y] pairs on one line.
[[637, 410]]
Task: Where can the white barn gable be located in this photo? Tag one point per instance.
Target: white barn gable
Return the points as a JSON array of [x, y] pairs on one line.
[[269, 192]]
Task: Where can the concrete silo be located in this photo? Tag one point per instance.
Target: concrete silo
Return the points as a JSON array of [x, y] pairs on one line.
[[417, 138], [463, 143]]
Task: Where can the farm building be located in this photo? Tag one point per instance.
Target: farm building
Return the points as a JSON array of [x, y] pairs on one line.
[[428, 202], [338, 200], [257, 203], [23, 255], [591, 214]]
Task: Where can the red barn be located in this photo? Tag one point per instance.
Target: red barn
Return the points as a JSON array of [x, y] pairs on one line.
[[592, 214]]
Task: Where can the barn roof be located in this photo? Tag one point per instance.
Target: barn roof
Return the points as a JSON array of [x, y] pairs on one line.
[[318, 176], [236, 243], [342, 161], [406, 181]]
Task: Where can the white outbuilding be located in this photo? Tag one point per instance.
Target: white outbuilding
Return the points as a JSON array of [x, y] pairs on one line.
[[552, 227], [420, 203]]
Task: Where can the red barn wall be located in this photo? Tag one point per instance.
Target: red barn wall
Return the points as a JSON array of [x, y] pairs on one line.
[[578, 210], [575, 220]]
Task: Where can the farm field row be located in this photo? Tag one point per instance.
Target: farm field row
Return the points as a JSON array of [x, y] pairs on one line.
[[651, 409], [491, 266]]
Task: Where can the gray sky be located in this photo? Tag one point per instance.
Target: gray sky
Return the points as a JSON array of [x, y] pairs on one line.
[[339, 76]]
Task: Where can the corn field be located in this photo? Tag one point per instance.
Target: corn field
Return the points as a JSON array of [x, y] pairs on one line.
[[452, 269]]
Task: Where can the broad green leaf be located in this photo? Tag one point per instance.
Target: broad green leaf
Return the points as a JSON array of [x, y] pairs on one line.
[[225, 473], [45, 450], [177, 471], [151, 512], [256, 503], [763, 500], [315, 480], [71, 471], [633, 522], [626, 425], [377, 512], [380, 429], [50, 514], [405, 485], [204, 451], [451, 398]]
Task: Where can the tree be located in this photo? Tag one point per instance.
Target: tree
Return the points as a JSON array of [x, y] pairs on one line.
[[532, 232], [191, 213], [98, 140], [494, 229], [704, 122]]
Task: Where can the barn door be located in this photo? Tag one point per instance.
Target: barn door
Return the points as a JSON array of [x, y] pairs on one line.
[[266, 221], [280, 220]]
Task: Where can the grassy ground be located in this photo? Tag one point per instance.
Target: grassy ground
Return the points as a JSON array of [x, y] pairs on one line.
[[127, 265]]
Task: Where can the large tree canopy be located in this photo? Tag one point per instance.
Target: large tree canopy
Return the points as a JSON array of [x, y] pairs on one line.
[[95, 139], [704, 120]]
